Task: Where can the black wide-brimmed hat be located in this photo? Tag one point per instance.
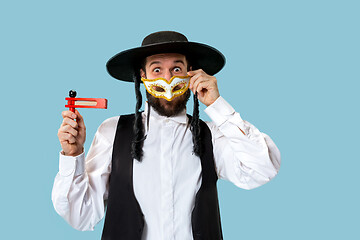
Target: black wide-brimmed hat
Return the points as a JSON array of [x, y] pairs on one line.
[[126, 64]]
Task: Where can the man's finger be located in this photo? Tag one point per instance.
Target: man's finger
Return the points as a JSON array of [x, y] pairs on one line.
[[68, 129], [66, 137], [192, 73], [202, 85], [69, 121], [79, 119], [194, 79], [68, 114], [196, 83]]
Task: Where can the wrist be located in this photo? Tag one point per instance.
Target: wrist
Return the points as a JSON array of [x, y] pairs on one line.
[[214, 99], [72, 153]]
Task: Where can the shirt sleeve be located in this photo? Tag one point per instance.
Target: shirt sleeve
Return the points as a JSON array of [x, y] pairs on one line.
[[243, 155], [81, 185]]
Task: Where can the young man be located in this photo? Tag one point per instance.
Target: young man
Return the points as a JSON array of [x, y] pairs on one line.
[[156, 170]]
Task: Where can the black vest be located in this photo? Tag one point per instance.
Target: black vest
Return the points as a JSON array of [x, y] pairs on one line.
[[124, 219]]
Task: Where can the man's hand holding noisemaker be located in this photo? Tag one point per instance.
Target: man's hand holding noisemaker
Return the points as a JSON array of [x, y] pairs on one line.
[[72, 134]]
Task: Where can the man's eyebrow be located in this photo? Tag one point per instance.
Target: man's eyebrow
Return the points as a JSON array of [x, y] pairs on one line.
[[154, 62], [179, 61], [158, 62]]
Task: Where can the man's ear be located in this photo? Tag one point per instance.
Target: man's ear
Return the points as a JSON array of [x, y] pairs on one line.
[[142, 73]]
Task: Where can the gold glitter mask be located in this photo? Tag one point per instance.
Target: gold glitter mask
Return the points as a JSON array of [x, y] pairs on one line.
[[162, 88]]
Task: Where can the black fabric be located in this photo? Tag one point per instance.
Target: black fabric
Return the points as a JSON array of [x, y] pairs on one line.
[[205, 218], [124, 219], [163, 37]]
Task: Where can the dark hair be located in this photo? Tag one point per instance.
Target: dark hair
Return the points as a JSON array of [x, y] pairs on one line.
[[195, 128], [138, 142], [195, 121]]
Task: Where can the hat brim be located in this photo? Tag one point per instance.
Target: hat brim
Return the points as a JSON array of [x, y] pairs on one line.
[[125, 65]]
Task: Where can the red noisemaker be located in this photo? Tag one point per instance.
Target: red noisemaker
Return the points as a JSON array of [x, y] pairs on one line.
[[84, 102]]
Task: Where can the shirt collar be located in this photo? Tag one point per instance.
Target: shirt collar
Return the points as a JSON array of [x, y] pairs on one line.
[[180, 118]]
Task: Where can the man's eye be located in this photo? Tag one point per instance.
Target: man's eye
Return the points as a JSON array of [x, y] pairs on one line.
[[158, 89], [157, 70], [178, 87], [177, 69]]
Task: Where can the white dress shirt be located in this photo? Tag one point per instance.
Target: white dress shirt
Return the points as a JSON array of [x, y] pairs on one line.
[[169, 176]]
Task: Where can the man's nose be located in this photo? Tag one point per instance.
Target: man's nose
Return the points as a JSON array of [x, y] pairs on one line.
[[168, 74]]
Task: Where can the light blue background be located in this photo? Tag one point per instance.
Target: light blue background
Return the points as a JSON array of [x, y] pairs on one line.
[[292, 70]]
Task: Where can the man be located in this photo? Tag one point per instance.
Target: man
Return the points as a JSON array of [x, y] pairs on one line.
[[156, 170]]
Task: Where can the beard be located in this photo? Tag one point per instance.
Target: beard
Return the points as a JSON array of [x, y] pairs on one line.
[[168, 108]]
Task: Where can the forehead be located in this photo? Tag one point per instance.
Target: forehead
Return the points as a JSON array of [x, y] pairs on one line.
[[165, 58]]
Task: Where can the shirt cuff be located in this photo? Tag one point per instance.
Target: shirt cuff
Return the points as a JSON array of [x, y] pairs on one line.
[[220, 111], [69, 165]]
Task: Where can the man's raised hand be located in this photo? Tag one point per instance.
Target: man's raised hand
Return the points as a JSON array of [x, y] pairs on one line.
[[205, 85]]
